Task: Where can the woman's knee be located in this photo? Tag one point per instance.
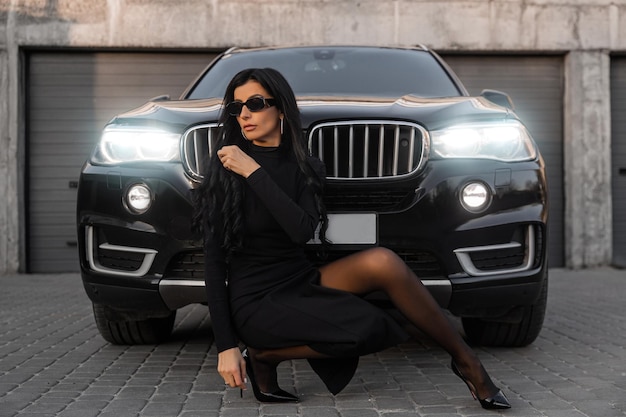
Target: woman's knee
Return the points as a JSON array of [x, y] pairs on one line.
[[365, 271], [383, 260]]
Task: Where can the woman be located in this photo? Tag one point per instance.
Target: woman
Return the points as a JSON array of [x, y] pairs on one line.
[[260, 202]]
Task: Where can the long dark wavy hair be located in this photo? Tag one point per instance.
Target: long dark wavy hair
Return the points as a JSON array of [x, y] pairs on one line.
[[219, 199]]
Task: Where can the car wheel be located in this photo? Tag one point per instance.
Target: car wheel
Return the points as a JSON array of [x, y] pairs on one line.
[[507, 334], [121, 328]]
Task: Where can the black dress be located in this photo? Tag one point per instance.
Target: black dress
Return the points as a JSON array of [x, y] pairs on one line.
[[268, 295]]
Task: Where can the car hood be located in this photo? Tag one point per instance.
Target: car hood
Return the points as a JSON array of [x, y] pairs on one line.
[[174, 116], [432, 113]]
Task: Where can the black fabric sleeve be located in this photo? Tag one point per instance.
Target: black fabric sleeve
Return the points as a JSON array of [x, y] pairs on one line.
[[215, 278], [299, 218]]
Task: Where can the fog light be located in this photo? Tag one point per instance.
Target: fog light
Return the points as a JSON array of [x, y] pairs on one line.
[[475, 197], [138, 198]]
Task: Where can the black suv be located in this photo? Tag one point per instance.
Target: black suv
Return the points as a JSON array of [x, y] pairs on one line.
[[454, 184]]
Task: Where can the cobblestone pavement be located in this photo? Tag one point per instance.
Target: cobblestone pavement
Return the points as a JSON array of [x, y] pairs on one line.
[[53, 362]]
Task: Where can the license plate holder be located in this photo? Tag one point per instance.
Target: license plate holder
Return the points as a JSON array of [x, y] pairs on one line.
[[351, 229]]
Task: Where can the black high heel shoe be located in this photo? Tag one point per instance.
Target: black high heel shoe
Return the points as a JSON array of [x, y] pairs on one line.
[[496, 402], [277, 396]]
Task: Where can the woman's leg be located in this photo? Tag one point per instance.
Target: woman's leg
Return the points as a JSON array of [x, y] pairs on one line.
[[266, 361], [336, 373], [380, 269]]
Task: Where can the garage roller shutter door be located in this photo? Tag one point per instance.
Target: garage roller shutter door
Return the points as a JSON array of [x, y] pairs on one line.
[[70, 97], [536, 86], [618, 153]]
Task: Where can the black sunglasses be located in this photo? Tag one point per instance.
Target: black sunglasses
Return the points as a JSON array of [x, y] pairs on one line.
[[254, 104]]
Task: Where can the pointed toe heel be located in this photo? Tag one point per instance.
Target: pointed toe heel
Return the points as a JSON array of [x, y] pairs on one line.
[[277, 396], [495, 402]]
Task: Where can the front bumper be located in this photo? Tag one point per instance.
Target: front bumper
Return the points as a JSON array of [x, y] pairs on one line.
[[482, 264]]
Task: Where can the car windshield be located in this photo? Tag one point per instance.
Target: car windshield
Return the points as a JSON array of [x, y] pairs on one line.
[[338, 71]]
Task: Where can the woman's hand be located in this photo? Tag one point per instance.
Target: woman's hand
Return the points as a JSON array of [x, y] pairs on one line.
[[232, 367], [237, 161]]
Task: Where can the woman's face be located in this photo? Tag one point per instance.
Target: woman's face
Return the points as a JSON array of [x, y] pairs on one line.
[[262, 127]]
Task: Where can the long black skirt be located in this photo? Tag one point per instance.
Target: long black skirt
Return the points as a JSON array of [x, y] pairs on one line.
[[298, 311]]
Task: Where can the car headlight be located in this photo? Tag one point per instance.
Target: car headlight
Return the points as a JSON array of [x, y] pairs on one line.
[[507, 141], [120, 145]]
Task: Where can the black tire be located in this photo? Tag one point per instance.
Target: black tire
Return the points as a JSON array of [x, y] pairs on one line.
[[120, 328], [507, 334]]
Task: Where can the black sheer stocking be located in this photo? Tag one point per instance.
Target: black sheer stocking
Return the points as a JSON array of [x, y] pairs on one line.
[[266, 361], [380, 269]]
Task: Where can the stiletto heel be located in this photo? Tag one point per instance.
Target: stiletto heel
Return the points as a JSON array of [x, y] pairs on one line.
[[278, 396], [495, 402]]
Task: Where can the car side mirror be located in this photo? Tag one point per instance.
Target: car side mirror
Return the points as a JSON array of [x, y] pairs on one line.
[[499, 98], [164, 97]]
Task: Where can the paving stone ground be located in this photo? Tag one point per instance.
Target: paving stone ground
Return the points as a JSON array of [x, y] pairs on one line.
[[53, 362]]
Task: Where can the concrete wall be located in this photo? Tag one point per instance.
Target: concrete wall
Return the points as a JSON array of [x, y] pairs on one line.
[[587, 159], [585, 31]]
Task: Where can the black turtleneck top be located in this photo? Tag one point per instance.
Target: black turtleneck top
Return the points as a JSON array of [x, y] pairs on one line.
[[280, 216], [269, 294]]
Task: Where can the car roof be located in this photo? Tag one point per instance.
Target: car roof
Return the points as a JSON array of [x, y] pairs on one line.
[[239, 49]]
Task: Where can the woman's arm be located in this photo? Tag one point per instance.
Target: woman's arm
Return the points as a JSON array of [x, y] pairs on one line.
[[217, 293], [230, 363], [299, 218]]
